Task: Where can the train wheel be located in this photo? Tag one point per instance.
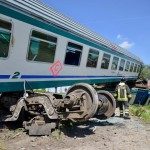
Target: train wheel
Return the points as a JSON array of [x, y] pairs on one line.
[[88, 99], [107, 105]]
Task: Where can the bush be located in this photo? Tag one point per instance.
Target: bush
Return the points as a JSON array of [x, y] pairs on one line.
[[143, 112]]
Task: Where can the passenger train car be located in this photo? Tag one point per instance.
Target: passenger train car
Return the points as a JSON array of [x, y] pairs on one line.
[[41, 48]]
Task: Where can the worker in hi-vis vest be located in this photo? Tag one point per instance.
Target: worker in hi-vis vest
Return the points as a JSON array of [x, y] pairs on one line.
[[122, 94]]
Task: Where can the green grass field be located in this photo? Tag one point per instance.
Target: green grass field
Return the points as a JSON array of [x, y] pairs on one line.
[[143, 112]]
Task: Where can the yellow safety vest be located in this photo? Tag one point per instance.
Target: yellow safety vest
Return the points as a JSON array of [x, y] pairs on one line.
[[121, 94]]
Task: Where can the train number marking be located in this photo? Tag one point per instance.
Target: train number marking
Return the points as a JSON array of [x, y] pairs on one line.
[[56, 68], [16, 75]]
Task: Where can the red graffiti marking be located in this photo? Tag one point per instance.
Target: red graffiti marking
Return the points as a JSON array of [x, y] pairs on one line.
[[56, 68]]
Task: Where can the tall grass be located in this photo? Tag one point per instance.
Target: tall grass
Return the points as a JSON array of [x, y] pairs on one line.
[[2, 146], [143, 112]]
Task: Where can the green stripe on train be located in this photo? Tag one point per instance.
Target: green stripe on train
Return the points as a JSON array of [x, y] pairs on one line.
[[19, 86], [48, 27]]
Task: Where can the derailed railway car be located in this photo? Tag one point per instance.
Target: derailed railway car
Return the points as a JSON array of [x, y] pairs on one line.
[[41, 48]]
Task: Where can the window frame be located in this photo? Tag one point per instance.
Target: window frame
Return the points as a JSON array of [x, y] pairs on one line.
[[102, 61], [138, 68], [135, 67], [123, 65], [94, 54], [29, 42], [126, 66], [132, 67], [112, 63], [80, 59], [11, 35]]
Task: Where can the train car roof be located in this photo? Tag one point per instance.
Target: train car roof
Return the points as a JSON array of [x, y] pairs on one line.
[[38, 10]]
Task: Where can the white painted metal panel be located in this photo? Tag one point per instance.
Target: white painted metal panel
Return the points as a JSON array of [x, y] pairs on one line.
[[38, 9]]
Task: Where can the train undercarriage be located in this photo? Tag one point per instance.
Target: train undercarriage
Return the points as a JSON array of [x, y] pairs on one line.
[[40, 113]]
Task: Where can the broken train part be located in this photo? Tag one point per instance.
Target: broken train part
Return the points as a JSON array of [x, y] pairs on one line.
[[41, 113]]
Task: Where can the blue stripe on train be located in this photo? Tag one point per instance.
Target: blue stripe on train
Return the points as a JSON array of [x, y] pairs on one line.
[[4, 76], [19, 86], [67, 76], [61, 76]]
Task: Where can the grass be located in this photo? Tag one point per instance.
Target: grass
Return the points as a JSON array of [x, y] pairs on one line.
[[40, 90], [143, 112], [2, 146]]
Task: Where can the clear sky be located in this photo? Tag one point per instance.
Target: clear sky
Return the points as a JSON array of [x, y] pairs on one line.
[[124, 22]]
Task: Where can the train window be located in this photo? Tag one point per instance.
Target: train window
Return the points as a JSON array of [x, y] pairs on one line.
[[105, 61], [122, 62], [5, 34], [135, 67], [127, 66], [114, 63], [131, 67], [138, 69], [92, 58], [42, 47], [73, 54]]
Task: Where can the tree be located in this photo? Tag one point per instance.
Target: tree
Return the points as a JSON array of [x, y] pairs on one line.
[[145, 73]]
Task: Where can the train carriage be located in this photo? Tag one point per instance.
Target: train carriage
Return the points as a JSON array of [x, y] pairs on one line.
[[42, 48]]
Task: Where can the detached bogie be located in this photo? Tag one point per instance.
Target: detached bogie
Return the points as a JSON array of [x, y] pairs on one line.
[[40, 113]]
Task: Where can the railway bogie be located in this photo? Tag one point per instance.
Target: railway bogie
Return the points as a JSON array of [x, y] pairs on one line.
[[41, 113]]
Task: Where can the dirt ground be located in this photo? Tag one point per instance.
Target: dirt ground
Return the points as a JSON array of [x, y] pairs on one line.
[[113, 134]]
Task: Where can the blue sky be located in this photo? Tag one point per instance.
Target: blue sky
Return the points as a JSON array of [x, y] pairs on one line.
[[124, 22]]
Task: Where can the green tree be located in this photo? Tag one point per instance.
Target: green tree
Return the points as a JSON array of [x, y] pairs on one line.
[[145, 73]]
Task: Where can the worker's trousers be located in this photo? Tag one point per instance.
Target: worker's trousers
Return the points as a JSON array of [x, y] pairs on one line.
[[123, 105]]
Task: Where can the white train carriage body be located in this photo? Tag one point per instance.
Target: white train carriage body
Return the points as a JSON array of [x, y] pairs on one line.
[[47, 49]]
